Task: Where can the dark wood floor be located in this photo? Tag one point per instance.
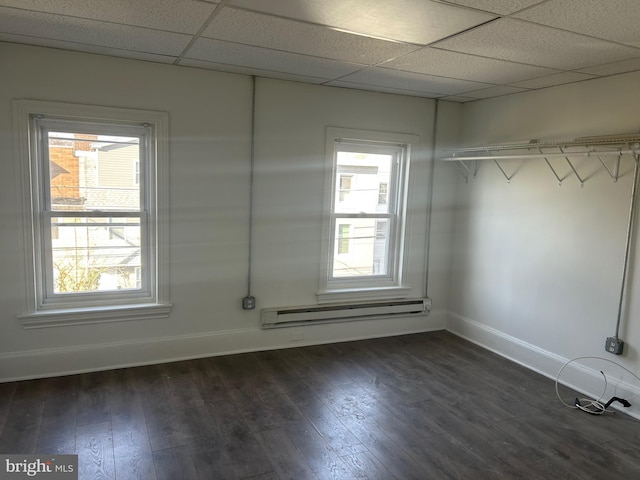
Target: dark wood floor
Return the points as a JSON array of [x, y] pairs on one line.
[[428, 406]]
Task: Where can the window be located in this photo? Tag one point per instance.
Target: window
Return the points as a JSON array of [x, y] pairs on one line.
[[96, 180], [365, 212]]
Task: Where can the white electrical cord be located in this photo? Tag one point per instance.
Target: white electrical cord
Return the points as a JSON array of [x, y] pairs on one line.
[[595, 407]]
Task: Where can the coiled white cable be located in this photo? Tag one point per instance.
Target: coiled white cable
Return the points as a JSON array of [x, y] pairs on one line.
[[595, 407]]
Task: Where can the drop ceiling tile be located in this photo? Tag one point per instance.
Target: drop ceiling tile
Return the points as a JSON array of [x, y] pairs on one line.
[[466, 67], [615, 20], [182, 16], [250, 28], [90, 32], [494, 92], [417, 82], [518, 41], [551, 80], [188, 62], [458, 99], [81, 47], [371, 88], [614, 68], [503, 7], [413, 21], [217, 51]]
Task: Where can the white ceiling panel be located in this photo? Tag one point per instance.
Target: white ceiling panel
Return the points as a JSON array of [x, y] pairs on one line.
[[494, 92], [277, 33], [457, 99], [467, 67], [416, 82], [189, 62], [614, 68], [413, 21], [83, 47], [552, 80], [503, 7], [524, 42], [598, 18], [78, 30], [217, 51], [375, 88], [182, 16]]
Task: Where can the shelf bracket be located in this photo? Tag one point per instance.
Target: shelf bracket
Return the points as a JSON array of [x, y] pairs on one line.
[[503, 172], [468, 172], [616, 170], [552, 169], [575, 172], [613, 174], [465, 170]]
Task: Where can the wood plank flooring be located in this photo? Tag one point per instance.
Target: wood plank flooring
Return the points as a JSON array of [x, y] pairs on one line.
[[423, 407]]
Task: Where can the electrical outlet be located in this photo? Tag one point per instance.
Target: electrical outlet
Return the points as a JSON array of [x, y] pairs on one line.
[[249, 303], [614, 345]]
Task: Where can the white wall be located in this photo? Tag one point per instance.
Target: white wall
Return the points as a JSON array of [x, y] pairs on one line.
[[210, 120], [536, 267]]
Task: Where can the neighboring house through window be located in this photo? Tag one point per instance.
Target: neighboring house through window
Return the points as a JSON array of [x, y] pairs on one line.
[[344, 187], [343, 238], [382, 193]]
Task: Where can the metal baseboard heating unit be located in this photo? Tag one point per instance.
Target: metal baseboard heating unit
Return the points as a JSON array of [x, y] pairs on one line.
[[296, 316]]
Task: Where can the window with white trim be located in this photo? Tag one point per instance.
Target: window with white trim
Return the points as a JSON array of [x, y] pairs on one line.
[[95, 226], [365, 215]]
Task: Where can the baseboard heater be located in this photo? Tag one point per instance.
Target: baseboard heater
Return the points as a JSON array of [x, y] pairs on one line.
[[295, 316]]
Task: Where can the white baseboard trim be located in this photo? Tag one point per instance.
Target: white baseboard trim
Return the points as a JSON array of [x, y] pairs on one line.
[[53, 362], [576, 375]]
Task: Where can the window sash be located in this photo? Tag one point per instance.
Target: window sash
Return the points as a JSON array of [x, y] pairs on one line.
[[50, 297], [44, 213], [390, 257], [394, 205]]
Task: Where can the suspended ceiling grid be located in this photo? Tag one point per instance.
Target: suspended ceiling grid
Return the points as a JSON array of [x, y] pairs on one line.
[[457, 50]]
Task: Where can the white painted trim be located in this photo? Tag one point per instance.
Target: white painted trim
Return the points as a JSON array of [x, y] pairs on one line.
[[582, 378], [354, 295], [53, 362], [82, 316]]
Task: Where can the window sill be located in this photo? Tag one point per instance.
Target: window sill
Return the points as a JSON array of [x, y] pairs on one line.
[[86, 316], [357, 294]]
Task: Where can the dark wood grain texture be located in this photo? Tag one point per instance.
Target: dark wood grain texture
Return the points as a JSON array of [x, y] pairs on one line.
[[425, 406]]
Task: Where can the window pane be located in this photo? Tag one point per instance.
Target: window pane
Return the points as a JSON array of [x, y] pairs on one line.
[[383, 193], [93, 172], [344, 238], [361, 183], [95, 254], [361, 246]]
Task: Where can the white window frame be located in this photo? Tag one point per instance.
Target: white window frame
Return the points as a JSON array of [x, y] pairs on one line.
[[340, 289], [43, 308]]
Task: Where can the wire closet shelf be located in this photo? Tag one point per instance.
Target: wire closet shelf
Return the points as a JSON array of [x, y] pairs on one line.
[[598, 147]]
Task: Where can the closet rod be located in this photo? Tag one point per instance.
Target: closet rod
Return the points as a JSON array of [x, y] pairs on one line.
[[587, 153]]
